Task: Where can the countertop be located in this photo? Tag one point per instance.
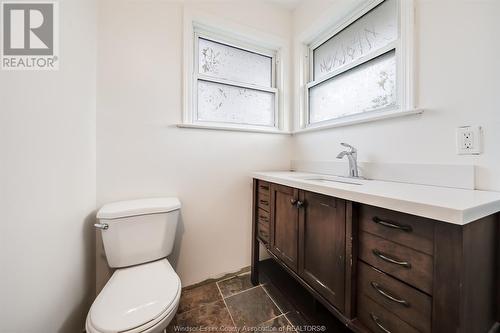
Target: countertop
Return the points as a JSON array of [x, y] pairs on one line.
[[452, 205]]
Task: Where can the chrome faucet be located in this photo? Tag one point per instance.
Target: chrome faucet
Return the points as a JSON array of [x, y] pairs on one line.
[[352, 156]]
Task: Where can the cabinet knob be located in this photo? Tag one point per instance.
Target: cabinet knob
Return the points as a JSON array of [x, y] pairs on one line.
[[300, 204], [293, 202]]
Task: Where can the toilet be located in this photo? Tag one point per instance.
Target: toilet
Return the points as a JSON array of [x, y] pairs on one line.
[[143, 293]]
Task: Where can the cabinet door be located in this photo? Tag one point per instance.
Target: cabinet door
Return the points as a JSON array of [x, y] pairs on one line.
[[285, 224], [322, 245]]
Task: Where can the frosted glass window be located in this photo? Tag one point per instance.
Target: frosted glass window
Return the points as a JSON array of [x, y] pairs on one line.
[[230, 63], [234, 84], [370, 86], [230, 104], [372, 31]]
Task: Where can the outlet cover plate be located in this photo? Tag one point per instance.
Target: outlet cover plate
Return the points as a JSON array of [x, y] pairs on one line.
[[469, 140]]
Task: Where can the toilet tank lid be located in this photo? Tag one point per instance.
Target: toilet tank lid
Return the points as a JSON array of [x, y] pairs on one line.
[[138, 207]]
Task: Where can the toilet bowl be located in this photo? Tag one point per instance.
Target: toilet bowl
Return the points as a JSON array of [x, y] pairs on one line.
[[136, 299], [142, 295]]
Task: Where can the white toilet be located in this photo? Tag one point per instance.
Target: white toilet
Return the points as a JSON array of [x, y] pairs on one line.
[[143, 294]]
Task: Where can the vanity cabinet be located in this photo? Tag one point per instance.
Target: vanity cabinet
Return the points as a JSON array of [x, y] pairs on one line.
[[395, 270], [263, 212], [307, 235], [322, 245], [381, 270], [285, 224]]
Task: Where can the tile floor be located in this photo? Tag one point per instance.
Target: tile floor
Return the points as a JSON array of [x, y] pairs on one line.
[[235, 305], [230, 305]]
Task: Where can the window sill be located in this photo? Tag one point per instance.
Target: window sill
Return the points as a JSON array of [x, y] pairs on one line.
[[234, 128], [358, 120]]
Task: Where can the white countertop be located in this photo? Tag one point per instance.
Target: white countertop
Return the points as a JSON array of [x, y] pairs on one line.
[[452, 205]]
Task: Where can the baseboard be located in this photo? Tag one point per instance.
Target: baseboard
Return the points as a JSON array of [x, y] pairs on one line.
[[223, 276]]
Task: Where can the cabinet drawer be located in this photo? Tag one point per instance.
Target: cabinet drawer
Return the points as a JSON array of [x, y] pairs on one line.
[[378, 319], [408, 230], [263, 232], [263, 216], [263, 201], [409, 304], [408, 265], [263, 187]]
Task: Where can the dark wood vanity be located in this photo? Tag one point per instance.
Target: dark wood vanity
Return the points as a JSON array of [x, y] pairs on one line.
[[380, 270]]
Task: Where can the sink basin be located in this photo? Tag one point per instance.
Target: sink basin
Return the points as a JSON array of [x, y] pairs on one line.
[[335, 181], [332, 179]]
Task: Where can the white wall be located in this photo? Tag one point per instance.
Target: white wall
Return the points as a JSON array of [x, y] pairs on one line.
[[47, 184], [48, 140], [142, 153], [459, 77]]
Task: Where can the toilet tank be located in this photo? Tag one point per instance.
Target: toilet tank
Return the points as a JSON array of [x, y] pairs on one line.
[[138, 231]]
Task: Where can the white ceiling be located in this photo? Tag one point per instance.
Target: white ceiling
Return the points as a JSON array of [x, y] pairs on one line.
[[290, 4]]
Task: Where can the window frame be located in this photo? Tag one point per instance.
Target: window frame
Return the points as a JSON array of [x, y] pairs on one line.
[[240, 37], [403, 47]]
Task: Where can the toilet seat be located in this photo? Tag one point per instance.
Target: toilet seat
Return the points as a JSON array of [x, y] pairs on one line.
[[136, 299]]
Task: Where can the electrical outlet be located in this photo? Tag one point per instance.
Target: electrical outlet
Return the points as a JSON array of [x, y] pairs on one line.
[[469, 140]]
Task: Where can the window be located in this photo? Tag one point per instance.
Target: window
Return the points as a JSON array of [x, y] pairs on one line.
[[234, 84], [361, 69]]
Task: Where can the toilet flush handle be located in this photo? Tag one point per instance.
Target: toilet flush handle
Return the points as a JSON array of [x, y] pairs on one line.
[[103, 226]]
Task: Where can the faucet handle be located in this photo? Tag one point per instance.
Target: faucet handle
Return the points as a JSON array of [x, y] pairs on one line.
[[341, 154], [353, 150]]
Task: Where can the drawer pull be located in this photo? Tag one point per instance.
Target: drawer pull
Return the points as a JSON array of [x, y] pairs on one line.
[[263, 217], [384, 293], [391, 224], [385, 257], [264, 187], [264, 202], [377, 322]]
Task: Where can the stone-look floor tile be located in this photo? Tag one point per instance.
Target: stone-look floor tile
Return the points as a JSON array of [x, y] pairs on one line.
[[278, 324], [251, 307], [297, 320], [281, 301], [213, 318], [235, 285], [198, 296]]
